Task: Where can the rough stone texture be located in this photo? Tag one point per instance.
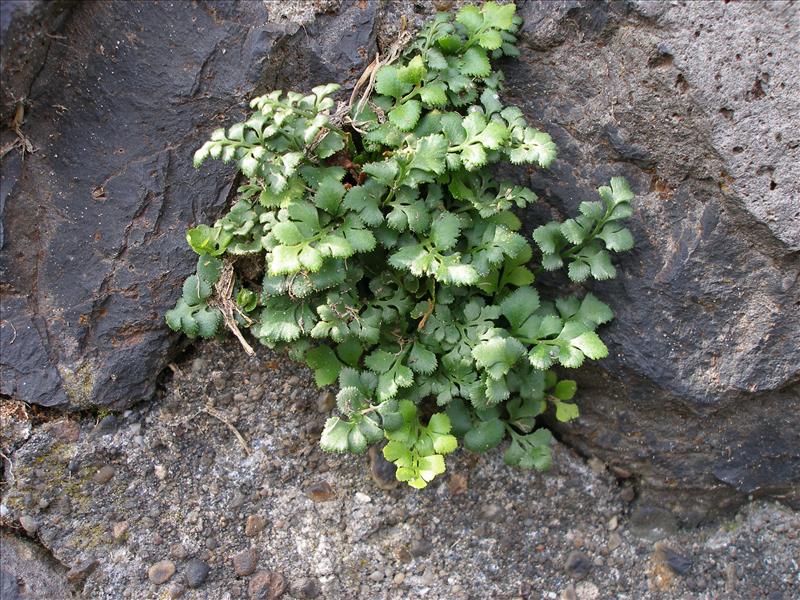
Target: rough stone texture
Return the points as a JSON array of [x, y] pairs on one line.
[[117, 101], [696, 103], [28, 573], [501, 533]]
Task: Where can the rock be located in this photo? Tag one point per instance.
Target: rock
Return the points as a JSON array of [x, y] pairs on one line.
[[120, 531], [677, 563], [614, 541], [111, 261], [578, 564], [107, 425], [381, 470], [700, 422], [245, 562], [160, 471], [325, 402], [652, 523], [254, 525], [104, 474], [178, 551], [320, 491], [613, 523], [161, 572], [731, 577], [569, 593], [492, 512], [78, 574], [29, 524], [457, 483], [420, 548], [627, 494], [266, 585], [196, 572], [27, 571], [586, 590], [305, 589]]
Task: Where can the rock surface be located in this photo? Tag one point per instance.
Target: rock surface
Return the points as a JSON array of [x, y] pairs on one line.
[[94, 220], [696, 104], [27, 573], [500, 533], [699, 107]]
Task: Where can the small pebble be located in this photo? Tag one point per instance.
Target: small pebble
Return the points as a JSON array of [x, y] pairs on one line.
[[245, 562], [569, 593], [254, 525], [107, 425], [119, 531], [305, 589], [161, 572], [627, 494], [178, 552], [29, 524], [160, 472], [381, 470], [266, 585], [196, 572], [362, 498], [320, 491], [325, 402], [614, 541], [677, 563], [104, 474], [420, 548], [578, 564]]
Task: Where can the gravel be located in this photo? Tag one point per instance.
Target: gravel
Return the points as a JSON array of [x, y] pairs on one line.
[[325, 526]]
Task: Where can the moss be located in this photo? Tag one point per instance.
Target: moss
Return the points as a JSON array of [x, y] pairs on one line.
[[89, 537], [78, 384], [51, 470]]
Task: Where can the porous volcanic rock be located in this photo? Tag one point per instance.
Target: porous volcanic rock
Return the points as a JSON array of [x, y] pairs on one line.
[[695, 103], [116, 99]]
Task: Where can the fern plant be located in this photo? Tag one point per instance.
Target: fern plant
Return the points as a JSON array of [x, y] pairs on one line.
[[373, 241]]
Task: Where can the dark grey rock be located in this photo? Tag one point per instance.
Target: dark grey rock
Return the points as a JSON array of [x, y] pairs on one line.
[[381, 470], [27, 571], [695, 105], [306, 588], [578, 564], [677, 562], [699, 397], [99, 215], [107, 425], [196, 572], [420, 548]]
